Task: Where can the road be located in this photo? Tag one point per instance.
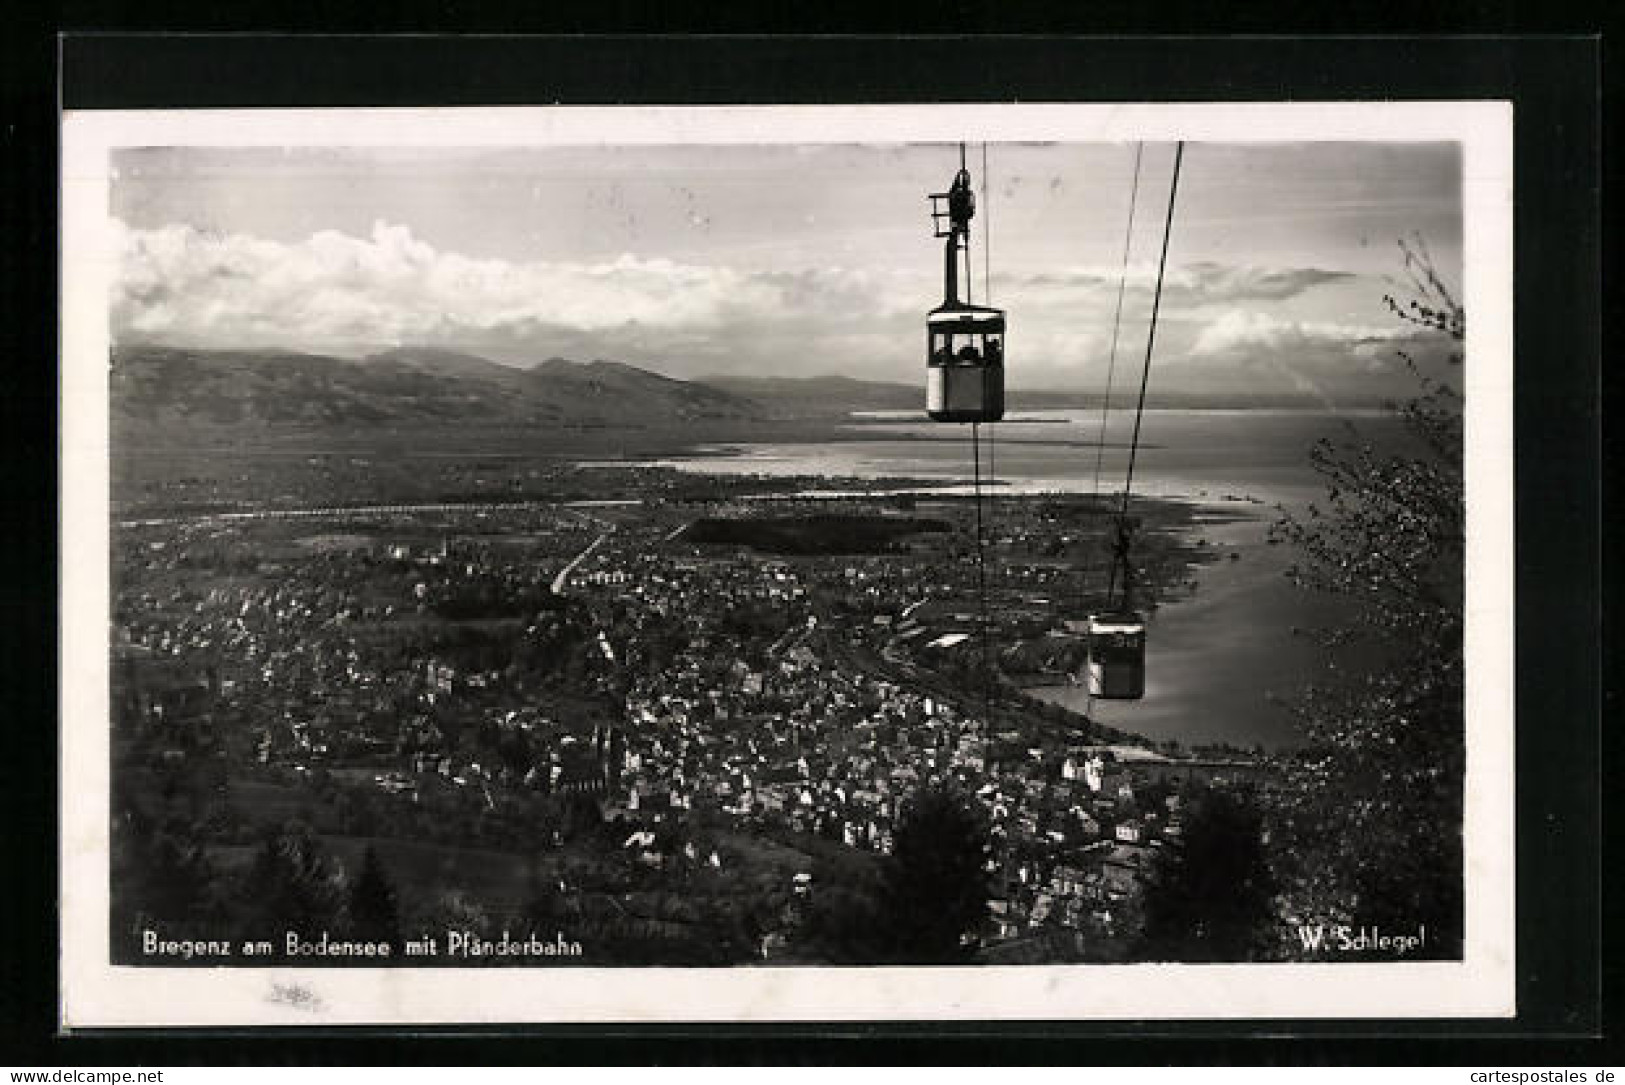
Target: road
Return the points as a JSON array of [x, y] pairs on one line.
[[889, 667], [564, 573]]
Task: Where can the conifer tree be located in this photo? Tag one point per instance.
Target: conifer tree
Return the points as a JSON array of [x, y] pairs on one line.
[[1209, 896], [291, 886], [935, 888], [374, 908]]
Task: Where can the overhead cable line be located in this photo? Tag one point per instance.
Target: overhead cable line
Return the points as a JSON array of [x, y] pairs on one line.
[[1111, 359], [1117, 318], [1145, 376]]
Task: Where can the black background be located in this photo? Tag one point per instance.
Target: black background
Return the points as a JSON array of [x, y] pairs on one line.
[[1023, 53]]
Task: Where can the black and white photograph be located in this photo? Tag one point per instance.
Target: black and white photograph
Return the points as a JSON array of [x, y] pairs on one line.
[[786, 563]]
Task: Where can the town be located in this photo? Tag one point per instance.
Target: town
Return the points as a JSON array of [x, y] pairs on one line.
[[671, 720]]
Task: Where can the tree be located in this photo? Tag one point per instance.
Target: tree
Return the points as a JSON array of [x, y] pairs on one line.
[[581, 815], [374, 907], [1210, 895], [935, 888], [158, 878], [1372, 815], [291, 886]]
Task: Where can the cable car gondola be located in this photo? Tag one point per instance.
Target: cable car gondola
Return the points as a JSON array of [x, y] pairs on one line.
[[1116, 667], [964, 342], [1115, 638]]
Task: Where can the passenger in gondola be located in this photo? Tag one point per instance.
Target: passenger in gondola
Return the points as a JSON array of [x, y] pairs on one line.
[[995, 352], [969, 355]]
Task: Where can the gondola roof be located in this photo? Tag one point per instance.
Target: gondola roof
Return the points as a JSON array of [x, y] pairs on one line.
[[959, 310]]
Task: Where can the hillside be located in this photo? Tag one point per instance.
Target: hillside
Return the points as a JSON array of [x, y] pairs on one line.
[[154, 386], [821, 397]]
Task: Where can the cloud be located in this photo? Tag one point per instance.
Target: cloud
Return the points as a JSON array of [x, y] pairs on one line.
[[344, 294], [1221, 327], [1261, 350], [1184, 286], [1217, 284], [1241, 334]]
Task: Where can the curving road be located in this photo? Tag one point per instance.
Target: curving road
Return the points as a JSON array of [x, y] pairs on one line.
[[564, 573]]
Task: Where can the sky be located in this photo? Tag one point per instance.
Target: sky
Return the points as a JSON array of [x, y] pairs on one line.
[[794, 260]]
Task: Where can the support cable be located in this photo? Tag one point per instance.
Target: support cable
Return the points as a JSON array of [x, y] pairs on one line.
[[976, 460], [1117, 319], [981, 582], [987, 232], [1111, 362], [989, 659], [1145, 372], [969, 296], [987, 291]]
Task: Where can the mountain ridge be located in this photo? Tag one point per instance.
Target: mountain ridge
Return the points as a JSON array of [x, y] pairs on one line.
[[160, 385], [155, 385]]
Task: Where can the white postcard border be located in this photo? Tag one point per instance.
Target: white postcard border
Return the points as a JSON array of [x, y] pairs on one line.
[[95, 994]]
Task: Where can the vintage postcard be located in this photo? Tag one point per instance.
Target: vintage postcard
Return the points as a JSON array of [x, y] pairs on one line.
[[1006, 562]]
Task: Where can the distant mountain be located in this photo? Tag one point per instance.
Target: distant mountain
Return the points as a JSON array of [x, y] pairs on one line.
[[820, 397], [446, 363], [607, 385], [160, 385]]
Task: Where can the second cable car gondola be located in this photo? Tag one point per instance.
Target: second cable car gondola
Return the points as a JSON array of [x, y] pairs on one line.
[[1116, 666], [1114, 639], [964, 342]]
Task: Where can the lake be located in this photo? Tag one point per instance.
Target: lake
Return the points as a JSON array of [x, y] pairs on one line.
[[1213, 661]]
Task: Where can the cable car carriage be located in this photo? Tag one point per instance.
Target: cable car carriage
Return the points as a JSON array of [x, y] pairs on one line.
[[1115, 637], [1116, 667], [964, 342], [965, 367]]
